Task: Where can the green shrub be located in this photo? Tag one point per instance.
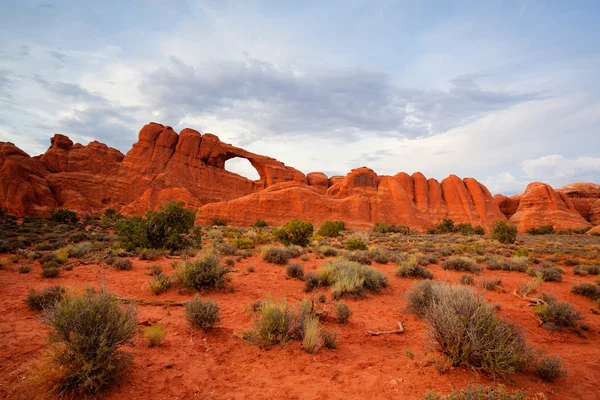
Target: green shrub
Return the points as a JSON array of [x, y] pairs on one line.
[[203, 273], [64, 216], [520, 264], [217, 221], [50, 271], [24, 269], [294, 270], [465, 229], [556, 314], [342, 312], [384, 227], [331, 228], [548, 273], [588, 290], [150, 254], [272, 323], [542, 230], [348, 278], [122, 264], [466, 279], [259, 223], [154, 334], [446, 226], [91, 329], [159, 283], [295, 232], [410, 268], [243, 243], [466, 329], [356, 244], [503, 232], [461, 264], [46, 298], [278, 255], [550, 368], [79, 250], [202, 314], [168, 228]]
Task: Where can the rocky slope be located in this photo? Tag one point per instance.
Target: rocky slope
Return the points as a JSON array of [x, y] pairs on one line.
[[189, 166]]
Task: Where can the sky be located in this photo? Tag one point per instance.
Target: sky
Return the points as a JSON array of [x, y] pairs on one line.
[[507, 92]]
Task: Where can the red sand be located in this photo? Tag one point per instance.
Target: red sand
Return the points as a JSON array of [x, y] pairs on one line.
[[220, 365]]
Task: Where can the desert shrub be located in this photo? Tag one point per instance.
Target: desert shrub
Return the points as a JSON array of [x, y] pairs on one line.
[[364, 257], [520, 264], [466, 279], [259, 223], [278, 255], [203, 273], [154, 334], [584, 270], [384, 227], [311, 334], [50, 271], [168, 228], [331, 228], [548, 274], [556, 314], [426, 259], [150, 254], [571, 262], [490, 284], [465, 327], [410, 268], [89, 331], [295, 232], [348, 278], [504, 232], [588, 290], [272, 322], [311, 281], [329, 339], [542, 230], [465, 229], [51, 257], [550, 368], [159, 283], [446, 226], [79, 250], [243, 243], [461, 264], [217, 221], [478, 392], [294, 270], [203, 314], [24, 269], [342, 312], [225, 249], [46, 298], [355, 244], [122, 264], [64, 216]]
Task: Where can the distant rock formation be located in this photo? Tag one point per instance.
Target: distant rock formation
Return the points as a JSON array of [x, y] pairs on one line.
[[190, 166]]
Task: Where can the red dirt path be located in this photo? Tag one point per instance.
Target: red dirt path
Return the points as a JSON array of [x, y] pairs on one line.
[[219, 365]]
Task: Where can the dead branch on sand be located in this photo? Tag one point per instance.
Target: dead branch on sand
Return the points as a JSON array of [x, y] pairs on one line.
[[399, 330]]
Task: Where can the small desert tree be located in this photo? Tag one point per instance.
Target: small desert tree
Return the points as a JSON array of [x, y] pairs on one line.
[[504, 232]]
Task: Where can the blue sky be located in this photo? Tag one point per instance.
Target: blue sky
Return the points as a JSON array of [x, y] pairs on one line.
[[503, 91]]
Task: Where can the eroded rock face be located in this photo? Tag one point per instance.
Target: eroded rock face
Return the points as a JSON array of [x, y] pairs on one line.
[[189, 166], [541, 205], [362, 198], [584, 196]]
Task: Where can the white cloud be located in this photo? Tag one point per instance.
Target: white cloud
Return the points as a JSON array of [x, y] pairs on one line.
[[557, 168]]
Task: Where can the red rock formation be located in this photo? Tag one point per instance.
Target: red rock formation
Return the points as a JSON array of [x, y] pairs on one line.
[[583, 196], [363, 198], [508, 205], [190, 166], [540, 205]]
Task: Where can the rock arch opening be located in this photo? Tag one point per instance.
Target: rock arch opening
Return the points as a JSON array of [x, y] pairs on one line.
[[243, 167]]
